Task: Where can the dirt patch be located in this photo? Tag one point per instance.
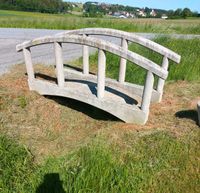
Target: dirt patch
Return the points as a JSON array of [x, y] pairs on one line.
[[56, 125]]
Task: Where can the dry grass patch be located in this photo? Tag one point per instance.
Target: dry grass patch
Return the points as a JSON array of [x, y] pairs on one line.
[[56, 125]]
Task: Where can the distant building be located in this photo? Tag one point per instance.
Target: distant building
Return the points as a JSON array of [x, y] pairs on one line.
[[116, 14], [132, 15], [122, 17], [123, 14], [153, 13], [164, 16], [119, 15], [141, 12]]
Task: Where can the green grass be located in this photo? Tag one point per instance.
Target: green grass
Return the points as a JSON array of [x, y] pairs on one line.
[[19, 19], [158, 162], [103, 156], [188, 69], [15, 166]]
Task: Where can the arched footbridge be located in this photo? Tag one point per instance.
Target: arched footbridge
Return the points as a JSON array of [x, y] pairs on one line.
[[129, 102]]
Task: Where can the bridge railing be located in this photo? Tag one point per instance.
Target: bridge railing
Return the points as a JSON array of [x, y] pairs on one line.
[[102, 46], [125, 39]]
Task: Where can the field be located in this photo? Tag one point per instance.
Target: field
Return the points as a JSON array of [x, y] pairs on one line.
[[58, 145], [48, 21]]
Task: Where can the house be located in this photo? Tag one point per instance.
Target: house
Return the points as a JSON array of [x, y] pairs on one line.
[[122, 17], [119, 15], [153, 13], [164, 16], [141, 13]]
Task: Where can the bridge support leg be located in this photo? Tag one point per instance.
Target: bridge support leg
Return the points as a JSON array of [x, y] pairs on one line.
[[85, 59], [147, 93], [101, 74], [122, 69], [29, 64], [161, 82], [59, 64]]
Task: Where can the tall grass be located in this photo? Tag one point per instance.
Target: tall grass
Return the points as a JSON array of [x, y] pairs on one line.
[[18, 19], [152, 163], [188, 69]]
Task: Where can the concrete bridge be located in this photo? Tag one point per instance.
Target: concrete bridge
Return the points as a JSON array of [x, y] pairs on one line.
[[128, 102]]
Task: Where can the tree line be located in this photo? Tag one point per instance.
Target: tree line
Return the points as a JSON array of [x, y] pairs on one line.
[[44, 6], [95, 9], [91, 9], [181, 13]]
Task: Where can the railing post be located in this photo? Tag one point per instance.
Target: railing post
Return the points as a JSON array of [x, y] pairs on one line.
[[29, 64], [85, 58], [101, 74], [122, 69], [59, 64], [161, 82], [147, 92]]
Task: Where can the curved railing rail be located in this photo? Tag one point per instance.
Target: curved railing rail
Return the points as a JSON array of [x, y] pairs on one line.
[[102, 46], [128, 37], [125, 38]]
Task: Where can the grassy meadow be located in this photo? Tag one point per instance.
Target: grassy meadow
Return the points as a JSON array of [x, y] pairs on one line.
[[56, 145], [18, 19]]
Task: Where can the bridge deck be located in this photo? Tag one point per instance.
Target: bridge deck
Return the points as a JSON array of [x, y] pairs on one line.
[[128, 91], [89, 89], [87, 85]]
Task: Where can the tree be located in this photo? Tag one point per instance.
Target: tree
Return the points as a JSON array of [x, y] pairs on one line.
[[170, 13], [186, 13]]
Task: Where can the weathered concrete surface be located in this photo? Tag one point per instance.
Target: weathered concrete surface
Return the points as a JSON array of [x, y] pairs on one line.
[[92, 93], [198, 110], [131, 37], [127, 88], [87, 93], [99, 44], [10, 37]]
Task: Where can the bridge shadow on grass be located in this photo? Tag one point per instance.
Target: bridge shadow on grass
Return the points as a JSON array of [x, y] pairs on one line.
[[188, 114], [87, 109], [51, 184]]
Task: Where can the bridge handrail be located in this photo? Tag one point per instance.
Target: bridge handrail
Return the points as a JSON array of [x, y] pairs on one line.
[[128, 37], [100, 44]]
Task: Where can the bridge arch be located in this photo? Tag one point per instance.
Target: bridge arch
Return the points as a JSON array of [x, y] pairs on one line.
[[126, 112]]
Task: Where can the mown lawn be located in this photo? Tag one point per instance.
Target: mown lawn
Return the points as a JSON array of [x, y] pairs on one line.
[[19, 19], [158, 162], [53, 144]]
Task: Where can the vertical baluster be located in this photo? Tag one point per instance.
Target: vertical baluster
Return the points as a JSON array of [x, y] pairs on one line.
[[161, 82], [122, 70], [85, 58], [59, 64], [147, 92], [101, 74], [29, 64]]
